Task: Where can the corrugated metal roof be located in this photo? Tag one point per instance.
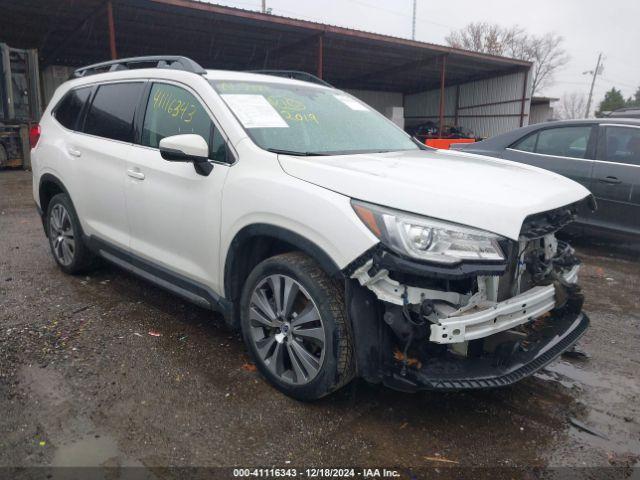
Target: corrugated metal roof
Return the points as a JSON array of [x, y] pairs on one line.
[[75, 32], [387, 37]]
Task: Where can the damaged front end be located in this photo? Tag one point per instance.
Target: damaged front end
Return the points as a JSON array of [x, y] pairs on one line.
[[473, 324]]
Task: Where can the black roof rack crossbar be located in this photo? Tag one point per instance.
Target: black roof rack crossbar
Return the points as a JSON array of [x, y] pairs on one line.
[[161, 61], [294, 74]]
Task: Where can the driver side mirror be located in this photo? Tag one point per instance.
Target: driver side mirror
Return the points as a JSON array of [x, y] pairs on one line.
[[187, 148]]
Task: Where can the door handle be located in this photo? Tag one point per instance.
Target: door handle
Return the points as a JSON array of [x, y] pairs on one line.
[[74, 152], [610, 180], [134, 173]]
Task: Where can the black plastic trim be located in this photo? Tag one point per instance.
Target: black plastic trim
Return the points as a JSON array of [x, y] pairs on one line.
[[539, 224], [178, 284], [394, 263], [175, 155], [371, 337], [277, 233], [568, 332], [48, 178], [85, 110], [383, 259], [140, 113]]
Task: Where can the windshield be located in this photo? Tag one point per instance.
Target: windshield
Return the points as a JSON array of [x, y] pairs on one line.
[[308, 120]]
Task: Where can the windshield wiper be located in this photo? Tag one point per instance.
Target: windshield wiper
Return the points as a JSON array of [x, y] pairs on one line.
[[294, 153]]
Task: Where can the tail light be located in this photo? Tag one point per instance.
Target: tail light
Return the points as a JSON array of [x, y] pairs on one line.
[[34, 135]]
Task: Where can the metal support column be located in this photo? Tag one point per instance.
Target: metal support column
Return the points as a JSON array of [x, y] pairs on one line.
[[26, 147], [455, 115], [443, 73], [112, 31], [524, 97], [320, 55]]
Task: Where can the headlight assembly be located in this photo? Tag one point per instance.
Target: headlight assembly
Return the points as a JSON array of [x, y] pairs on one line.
[[426, 238]]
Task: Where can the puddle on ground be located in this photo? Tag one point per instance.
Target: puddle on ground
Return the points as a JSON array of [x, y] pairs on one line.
[[570, 375], [606, 398], [95, 451], [86, 451], [77, 441], [46, 384]]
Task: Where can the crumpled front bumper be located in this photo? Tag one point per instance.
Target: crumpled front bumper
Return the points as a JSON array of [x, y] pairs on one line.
[[487, 344], [556, 333]]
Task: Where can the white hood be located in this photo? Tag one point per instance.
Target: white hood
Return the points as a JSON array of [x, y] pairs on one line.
[[473, 190]]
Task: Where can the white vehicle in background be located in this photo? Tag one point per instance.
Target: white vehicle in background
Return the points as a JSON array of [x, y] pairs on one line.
[[337, 244]]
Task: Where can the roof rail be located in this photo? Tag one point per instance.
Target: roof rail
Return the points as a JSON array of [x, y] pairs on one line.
[[294, 74], [161, 61]]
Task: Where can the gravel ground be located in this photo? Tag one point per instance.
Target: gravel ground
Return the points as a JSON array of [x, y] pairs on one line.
[[83, 381]]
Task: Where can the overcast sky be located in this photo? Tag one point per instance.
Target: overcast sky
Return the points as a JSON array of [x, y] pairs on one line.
[[588, 26]]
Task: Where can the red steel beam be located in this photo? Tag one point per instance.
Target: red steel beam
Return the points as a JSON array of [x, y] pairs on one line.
[[112, 31]]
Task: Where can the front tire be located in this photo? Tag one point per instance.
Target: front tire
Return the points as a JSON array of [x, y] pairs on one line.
[[294, 324], [65, 236]]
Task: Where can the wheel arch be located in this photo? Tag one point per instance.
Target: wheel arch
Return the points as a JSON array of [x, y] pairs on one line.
[[48, 187], [257, 242]]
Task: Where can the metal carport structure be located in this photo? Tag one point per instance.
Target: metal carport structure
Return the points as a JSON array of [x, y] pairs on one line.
[[78, 32]]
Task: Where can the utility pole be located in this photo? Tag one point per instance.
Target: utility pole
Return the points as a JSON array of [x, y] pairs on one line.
[[595, 72], [413, 28], [264, 6]]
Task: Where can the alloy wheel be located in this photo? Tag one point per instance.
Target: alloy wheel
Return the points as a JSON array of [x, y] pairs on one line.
[[61, 235], [286, 329]]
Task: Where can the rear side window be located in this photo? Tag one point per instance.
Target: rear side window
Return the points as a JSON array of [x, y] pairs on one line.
[[70, 107], [173, 110], [527, 144], [560, 142], [622, 145], [112, 110], [564, 142]]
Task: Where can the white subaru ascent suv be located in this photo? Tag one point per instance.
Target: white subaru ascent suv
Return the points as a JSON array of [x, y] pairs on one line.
[[337, 244]]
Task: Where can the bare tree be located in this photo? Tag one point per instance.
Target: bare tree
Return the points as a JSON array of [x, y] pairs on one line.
[[545, 51], [547, 55], [572, 106], [486, 38]]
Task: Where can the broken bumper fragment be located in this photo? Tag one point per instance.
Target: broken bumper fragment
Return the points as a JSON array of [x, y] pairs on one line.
[[555, 334]]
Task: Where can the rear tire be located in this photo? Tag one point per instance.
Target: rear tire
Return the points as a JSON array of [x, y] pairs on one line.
[[295, 326], [65, 236]]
